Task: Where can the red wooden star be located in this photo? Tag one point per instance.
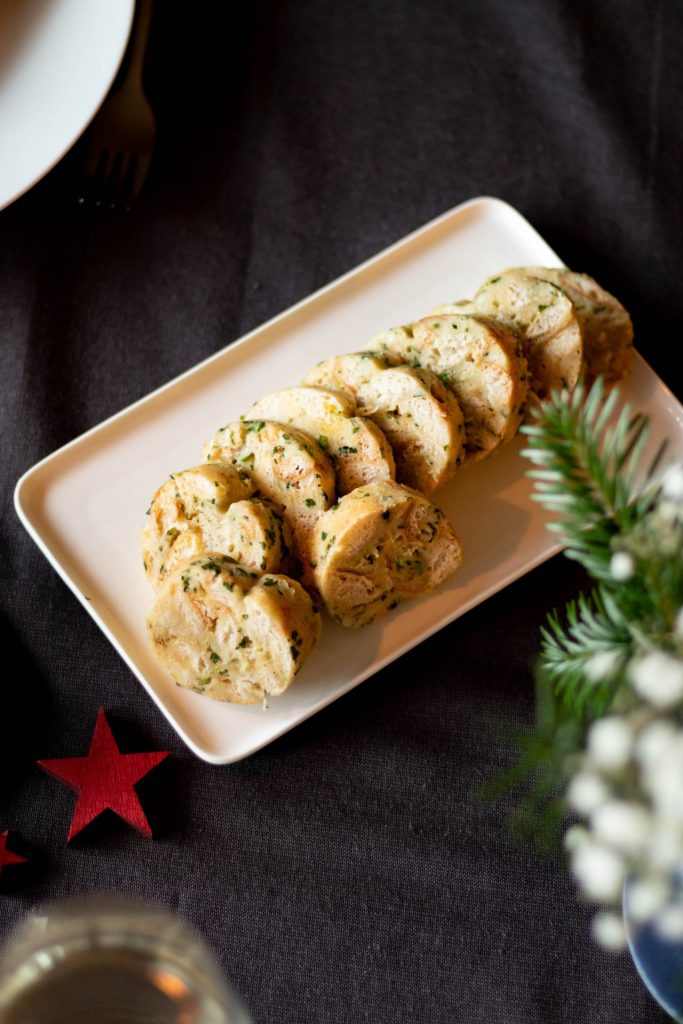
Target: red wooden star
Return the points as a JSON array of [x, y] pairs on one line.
[[104, 780], [6, 856]]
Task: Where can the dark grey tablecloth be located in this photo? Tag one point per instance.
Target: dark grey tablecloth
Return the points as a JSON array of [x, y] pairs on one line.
[[347, 872]]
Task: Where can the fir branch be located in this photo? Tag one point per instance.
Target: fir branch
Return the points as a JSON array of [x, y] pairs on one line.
[[584, 659], [588, 470]]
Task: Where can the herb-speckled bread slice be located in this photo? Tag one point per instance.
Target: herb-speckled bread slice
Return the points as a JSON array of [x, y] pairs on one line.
[[481, 362], [381, 544], [358, 449], [415, 410], [187, 514], [285, 464], [256, 535], [607, 327], [547, 321], [230, 634], [213, 508]]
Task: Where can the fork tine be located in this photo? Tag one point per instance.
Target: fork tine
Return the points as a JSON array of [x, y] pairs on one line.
[[93, 159], [125, 197], [112, 184], [142, 166], [94, 174]]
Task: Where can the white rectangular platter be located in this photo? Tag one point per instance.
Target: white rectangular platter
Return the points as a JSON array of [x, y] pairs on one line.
[[85, 504]]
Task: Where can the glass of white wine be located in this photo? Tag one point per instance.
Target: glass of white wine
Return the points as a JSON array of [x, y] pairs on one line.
[[111, 961]]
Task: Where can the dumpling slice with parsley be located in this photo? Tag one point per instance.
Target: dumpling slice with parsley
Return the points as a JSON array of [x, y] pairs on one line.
[[607, 327], [213, 508], [358, 449], [545, 318], [480, 361], [231, 634], [415, 410], [285, 464], [379, 545]]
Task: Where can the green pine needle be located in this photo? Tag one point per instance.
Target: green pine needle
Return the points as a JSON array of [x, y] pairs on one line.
[[584, 659], [588, 470]]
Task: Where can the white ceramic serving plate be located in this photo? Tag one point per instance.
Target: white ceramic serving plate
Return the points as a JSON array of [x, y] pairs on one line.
[[58, 59], [85, 504]]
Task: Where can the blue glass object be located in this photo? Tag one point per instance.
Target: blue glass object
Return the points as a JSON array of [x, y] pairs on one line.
[[659, 963]]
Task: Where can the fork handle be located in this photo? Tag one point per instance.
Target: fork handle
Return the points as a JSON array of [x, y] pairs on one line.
[[139, 39]]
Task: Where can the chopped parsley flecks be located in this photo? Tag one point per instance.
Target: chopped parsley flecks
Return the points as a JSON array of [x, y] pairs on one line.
[[237, 570]]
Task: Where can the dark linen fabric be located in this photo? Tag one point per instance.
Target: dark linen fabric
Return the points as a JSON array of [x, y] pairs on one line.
[[348, 872]]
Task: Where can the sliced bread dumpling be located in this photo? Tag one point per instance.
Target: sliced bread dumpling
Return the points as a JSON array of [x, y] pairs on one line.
[[231, 634], [381, 544], [358, 449], [546, 320], [481, 362], [607, 326], [391, 345], [351, 373], [285, 464], [187, 515], [256, 534], [417, 413]]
